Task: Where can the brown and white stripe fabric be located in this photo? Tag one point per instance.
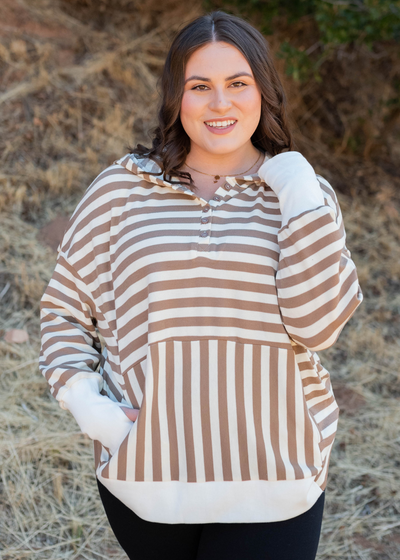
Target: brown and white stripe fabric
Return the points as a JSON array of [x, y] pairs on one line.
[[211, 315]]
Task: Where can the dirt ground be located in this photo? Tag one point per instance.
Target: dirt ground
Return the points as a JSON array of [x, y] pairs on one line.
[[78, 84]]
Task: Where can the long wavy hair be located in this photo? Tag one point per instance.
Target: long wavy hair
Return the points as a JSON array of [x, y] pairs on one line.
[[171, 144]]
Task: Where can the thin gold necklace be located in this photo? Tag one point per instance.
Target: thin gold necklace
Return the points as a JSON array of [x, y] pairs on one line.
[[217, 177]]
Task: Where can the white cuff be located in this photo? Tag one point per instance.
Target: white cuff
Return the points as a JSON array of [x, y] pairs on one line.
[[97, 416], [293, 180]]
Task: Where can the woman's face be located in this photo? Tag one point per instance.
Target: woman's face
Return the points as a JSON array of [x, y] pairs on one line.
[[219, 87]]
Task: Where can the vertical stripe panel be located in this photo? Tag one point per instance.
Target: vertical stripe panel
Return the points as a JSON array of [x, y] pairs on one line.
[[133, 387], [140, 442], [284, 426], [122, 458], [180, 425], [131, 450], [215, 424], [232, 411], [163, 418], [299, 419], [274, 411], [130, 381], [170, 403], [148, 444], [205, 410], [257, 412], [196, 412], [248, 405], [223, 411], [187, 410], [309, 440], [241, 413], [266, 411], [155, 420], [140, 368]]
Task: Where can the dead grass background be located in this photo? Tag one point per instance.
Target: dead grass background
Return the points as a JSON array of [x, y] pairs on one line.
[[78, 84]]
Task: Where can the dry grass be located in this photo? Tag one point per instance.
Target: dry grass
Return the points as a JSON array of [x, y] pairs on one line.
[[75, 90]]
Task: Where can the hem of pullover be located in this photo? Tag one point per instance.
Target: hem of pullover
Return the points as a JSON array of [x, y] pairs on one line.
[[251, 501]]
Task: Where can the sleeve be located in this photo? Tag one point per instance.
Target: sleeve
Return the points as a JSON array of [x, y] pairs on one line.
[[70, 349], [70, 354], [316, 280]]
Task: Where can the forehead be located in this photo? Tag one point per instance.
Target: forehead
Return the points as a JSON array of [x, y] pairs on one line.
[[215, 58]]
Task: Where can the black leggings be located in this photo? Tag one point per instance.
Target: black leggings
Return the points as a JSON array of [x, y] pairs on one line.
[[292, 539]]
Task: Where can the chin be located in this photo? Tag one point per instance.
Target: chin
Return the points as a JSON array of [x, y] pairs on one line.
[[223, 149]]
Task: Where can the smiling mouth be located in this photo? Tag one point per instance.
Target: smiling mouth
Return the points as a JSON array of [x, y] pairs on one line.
[[220, 124]]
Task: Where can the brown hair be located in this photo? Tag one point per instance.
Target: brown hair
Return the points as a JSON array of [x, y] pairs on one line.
[[171, 144]]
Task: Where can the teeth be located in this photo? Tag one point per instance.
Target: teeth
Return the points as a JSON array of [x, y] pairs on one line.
[[220, 124]]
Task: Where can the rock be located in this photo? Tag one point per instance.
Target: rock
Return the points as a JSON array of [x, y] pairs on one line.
[[16, 336]]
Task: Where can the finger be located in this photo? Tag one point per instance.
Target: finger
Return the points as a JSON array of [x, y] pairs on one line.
[[132, 413]]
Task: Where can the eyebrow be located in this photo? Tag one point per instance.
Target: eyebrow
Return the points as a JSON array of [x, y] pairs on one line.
[[226, 79]]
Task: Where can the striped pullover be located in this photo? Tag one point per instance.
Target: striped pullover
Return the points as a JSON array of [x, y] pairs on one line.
[[206, 316]]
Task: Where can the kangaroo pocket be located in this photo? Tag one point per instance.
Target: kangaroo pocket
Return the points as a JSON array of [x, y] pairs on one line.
[[218, 410]]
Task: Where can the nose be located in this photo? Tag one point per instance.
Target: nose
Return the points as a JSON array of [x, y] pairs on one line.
[[220, 101]]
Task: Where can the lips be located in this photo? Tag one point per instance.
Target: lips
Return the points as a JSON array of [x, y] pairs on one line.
[[221, 122], [221, 130]]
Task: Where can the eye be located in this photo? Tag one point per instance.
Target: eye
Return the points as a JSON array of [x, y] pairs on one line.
[[199, 86], [235, 84]]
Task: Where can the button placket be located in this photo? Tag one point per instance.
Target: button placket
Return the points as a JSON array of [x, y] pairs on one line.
[[205, 224], [224, 192]]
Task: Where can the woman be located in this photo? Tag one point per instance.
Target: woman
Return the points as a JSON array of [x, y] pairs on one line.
[[214, 266]]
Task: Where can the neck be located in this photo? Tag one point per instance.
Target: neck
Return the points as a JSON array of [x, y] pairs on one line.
[[222, 164]]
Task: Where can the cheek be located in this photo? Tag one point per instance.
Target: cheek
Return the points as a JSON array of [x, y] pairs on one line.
[[251, 103], [189, 108]]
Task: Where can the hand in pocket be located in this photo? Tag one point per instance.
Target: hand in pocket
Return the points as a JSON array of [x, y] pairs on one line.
[[98, 416]]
